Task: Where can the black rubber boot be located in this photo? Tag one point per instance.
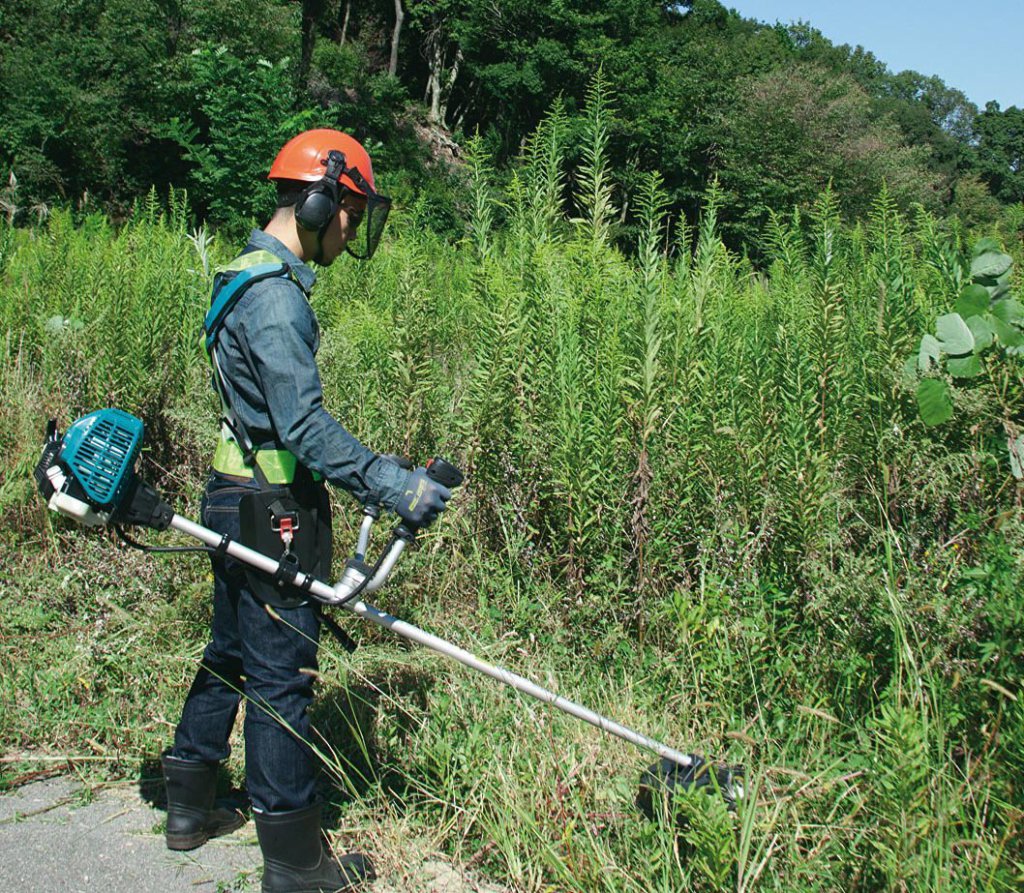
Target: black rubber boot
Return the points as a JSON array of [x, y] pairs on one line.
[[192, 818], [295, 859]]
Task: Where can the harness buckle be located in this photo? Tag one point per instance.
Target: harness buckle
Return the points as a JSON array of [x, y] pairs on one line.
[[285, 525]]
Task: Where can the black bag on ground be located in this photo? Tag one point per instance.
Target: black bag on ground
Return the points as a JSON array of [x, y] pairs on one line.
[[305, 504]]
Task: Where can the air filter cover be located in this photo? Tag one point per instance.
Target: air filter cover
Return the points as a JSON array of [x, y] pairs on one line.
[[99, 452]]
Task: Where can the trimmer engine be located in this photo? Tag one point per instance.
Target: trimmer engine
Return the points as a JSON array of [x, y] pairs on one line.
[[89, 474]]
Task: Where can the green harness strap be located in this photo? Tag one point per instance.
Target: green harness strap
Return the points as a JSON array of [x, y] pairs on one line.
[[277, 466]]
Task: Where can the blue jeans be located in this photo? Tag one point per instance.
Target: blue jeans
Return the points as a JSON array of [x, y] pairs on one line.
[[252, 653]]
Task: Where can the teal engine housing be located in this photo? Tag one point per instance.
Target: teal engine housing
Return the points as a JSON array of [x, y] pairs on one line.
[[99, 450]]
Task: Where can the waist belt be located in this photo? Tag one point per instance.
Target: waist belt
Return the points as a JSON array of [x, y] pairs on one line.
[[277, 465]]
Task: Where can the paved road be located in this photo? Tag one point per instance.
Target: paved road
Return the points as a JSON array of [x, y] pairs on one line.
[[56, 836]]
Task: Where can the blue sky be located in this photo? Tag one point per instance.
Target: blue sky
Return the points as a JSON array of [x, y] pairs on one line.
[[976, 47]]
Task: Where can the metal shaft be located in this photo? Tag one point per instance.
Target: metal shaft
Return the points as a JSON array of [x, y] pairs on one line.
[[326, 593], [519, 683]]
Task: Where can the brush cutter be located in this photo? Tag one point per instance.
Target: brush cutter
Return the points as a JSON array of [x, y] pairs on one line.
[[88, 474]]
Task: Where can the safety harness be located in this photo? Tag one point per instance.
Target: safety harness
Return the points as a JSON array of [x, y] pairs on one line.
[[235, 453], [285, 504]]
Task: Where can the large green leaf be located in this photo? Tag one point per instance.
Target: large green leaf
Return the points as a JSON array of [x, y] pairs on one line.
[[930, 352], [997, 286], [964, 367], [934, 402], [986, 246], [990, 264], [982, 332], [1008, 335], [973, 300], [1008, 310], [954, 334]]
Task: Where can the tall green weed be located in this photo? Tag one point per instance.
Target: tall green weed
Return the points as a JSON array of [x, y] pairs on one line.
[[699, 493]]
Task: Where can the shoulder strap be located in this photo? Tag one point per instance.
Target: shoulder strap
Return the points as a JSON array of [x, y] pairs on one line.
[[228, 292], [230, 284]]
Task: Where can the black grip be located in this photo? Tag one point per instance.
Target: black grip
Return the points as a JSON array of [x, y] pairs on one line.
[[51, 450], [400, 461], [444, 473]]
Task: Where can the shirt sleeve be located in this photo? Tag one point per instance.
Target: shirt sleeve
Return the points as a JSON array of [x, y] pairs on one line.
[[279, 334]]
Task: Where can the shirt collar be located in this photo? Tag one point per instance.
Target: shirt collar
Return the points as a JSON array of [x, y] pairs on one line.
[[301, 271]]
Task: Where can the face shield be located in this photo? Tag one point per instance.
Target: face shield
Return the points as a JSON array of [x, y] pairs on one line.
[[374, 217]]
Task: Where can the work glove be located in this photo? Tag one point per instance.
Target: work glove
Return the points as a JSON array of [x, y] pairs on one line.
[[386, 480], [422, 500]]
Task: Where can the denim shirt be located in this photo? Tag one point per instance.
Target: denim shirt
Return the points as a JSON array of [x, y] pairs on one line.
[[267, 354]]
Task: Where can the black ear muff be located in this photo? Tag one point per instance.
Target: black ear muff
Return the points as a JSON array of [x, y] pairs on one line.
[[319, 202], [315, 208]]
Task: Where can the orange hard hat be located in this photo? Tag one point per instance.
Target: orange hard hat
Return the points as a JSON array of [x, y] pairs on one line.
[[304, 157]]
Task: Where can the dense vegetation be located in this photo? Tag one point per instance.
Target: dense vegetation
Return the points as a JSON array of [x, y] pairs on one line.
[[102, 99], [692, 406], [700, 496]]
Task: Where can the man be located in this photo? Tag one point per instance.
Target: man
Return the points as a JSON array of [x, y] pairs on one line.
[[278, 444]]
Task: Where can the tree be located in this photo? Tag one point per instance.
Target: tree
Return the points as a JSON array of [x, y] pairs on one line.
[[396, 34], [796, 130], [682, 86], [973, 203], [312, 12], [932, 115], [499, 64], [239, 104], [87, 86], [1001, 151], [438, 25]]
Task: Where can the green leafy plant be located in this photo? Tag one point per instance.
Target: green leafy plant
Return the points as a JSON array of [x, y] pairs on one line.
[[242, 116], [978, 340]]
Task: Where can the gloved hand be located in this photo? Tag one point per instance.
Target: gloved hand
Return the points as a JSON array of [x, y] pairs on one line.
[[386, 480], [423, 499]]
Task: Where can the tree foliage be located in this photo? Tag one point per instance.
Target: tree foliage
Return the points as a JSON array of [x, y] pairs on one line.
[[107, 98], [793, 132], [1001, 151]]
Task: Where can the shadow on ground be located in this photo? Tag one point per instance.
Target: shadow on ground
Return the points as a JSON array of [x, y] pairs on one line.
[[356, 726]]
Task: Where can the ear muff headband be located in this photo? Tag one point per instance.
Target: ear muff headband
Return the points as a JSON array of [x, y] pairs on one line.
[[319, 202]]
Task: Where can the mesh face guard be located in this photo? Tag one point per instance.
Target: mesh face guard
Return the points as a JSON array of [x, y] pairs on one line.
[[377, 209]]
